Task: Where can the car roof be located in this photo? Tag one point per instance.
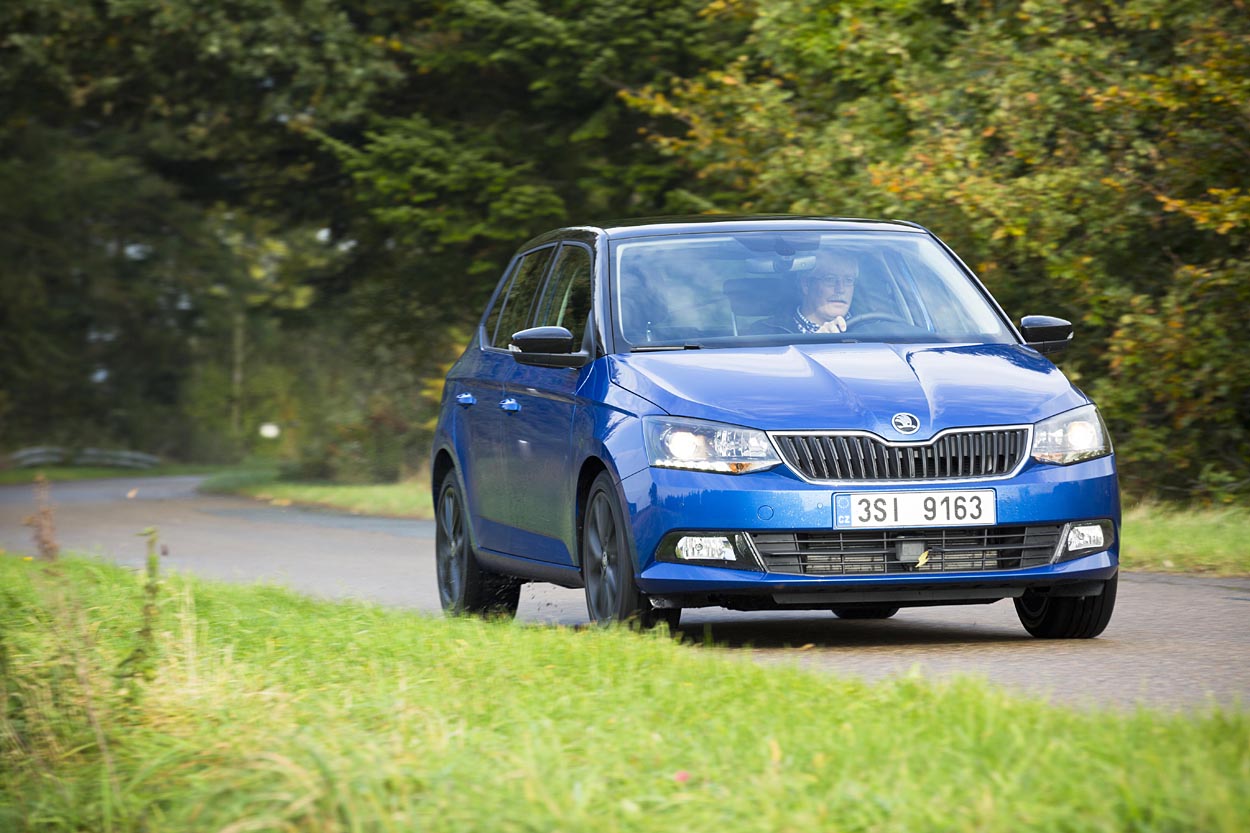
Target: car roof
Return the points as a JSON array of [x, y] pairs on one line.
[[723, 223], [706, 223]]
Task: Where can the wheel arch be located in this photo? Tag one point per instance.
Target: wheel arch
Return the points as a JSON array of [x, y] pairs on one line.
[[442, 464], [591, 468], [445, 463]]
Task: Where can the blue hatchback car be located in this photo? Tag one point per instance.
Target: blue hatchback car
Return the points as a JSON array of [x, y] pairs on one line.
[[769, 413]]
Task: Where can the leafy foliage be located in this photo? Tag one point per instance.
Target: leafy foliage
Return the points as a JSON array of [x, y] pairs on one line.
[[217, 214], [1090, 158]]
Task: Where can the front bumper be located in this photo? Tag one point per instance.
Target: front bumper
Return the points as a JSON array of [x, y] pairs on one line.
[[661, 501]]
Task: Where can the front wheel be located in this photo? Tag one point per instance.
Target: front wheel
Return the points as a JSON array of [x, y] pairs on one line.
[[1067, 617], [612, 595], [463, 586]]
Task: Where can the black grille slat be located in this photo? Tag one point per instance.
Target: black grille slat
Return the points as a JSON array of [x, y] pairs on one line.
[[820, 454], [827, 443], [807, 455], [856, 457], [842, 552]]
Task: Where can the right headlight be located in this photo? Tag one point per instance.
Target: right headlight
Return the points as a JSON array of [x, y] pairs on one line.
[[1079, 434], [699, 445]]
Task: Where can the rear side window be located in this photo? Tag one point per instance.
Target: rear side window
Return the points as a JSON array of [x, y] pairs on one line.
[[566, 303], [516, 308], [492, 319]]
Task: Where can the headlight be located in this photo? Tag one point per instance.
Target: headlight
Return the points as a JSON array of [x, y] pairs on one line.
[[677, 443], [1071, 437]]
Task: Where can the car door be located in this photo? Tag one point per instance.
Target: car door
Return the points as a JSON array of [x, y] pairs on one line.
[[538, 433], [480, 396]]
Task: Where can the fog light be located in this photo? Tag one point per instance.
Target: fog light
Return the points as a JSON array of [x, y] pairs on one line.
[[693, 548], [1086, 537]]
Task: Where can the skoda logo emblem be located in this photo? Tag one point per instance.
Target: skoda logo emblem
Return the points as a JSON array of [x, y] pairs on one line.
[[905, 423]]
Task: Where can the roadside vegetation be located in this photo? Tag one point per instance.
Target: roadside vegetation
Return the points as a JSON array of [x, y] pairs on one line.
[[253, 708], [406, 499], [55, 474], [328, 238], [1176, 539]]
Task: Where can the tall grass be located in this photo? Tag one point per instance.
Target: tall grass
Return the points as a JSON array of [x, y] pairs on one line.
[[269, 711]]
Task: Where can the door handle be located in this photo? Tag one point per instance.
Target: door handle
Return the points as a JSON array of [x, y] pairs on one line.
[[510, 405], [466, 399]]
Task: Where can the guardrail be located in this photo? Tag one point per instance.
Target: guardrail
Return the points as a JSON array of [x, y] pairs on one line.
[[49, 455]]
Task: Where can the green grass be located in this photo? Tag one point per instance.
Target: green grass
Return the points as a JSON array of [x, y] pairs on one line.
[[269, 711], [1167, 538], [409, 499], [66, 473]]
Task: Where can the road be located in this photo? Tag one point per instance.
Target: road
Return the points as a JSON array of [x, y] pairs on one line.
[[1175, 642]]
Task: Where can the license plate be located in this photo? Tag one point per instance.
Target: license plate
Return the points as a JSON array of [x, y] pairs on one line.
[[874, 510]]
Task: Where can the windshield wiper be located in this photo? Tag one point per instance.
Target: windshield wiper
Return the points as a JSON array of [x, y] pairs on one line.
[[655, 348]]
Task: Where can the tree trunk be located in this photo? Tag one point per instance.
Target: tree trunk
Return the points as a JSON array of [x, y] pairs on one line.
[[236, 378]]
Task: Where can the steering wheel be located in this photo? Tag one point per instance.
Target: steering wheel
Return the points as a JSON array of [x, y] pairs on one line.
[[869, 317]]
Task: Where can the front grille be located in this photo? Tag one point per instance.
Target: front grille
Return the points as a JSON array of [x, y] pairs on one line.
[[949, 456], [976, 550]]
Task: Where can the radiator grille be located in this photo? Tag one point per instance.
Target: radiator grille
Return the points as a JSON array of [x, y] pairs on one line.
[[861, 552], [950, 456]]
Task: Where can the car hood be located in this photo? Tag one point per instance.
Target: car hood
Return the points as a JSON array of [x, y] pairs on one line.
[[851, 386]]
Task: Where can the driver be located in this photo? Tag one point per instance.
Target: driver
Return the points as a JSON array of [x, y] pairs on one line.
[[825, 300]]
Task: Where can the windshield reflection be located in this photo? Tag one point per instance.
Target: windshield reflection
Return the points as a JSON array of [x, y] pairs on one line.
[[723, 290]]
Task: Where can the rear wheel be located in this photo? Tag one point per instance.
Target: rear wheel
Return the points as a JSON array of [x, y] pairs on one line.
[[463, 586], [874, 612], [608, 567], [1067, 617]]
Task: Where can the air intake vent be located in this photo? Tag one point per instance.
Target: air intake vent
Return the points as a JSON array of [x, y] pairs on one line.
[[978, 550]]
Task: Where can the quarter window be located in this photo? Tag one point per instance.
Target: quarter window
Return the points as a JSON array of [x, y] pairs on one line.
[[492, 318]]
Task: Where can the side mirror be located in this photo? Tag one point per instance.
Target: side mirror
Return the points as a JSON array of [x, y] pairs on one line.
[[547, 347], [1046, 334]]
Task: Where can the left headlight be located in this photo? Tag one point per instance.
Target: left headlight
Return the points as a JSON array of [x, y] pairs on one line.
[[1071, 437], [679, 443]]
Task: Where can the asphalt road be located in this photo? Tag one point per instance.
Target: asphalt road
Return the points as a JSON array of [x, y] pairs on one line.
[[1175, 642]]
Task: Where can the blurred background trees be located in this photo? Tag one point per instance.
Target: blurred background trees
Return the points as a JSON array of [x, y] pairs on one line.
[[214, 215]]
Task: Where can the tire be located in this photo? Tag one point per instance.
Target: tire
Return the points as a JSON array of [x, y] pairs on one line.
[[879, 612], [463, 586], [1067, 617], [612, 596]]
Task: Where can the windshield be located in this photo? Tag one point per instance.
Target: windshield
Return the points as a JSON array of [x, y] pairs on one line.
[[771, 287]]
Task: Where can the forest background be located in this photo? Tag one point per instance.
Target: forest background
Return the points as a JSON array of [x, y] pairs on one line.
[[216, 214]]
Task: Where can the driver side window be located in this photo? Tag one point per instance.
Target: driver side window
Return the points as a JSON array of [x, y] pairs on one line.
[[566, 303], [516, 308]]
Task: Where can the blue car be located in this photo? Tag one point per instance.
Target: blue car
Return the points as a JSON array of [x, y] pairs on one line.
[[769, 413]]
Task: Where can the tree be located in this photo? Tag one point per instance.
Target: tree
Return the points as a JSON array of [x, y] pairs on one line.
[[1089, 157]]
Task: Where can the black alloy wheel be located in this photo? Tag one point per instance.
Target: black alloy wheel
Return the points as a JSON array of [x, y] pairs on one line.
[[463, 586], [612, 595], [865, 612], [1067, 617]]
